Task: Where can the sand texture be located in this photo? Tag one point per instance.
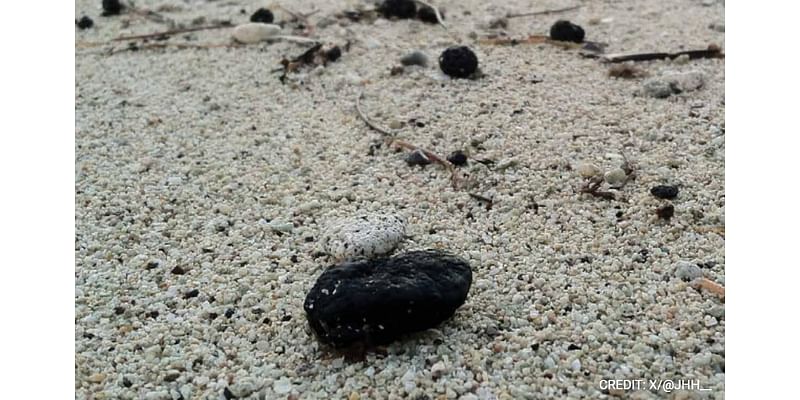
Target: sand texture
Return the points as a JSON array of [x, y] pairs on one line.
[[204, 184]]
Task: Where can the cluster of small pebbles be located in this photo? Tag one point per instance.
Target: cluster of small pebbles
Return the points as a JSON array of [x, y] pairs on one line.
[[215, 205]]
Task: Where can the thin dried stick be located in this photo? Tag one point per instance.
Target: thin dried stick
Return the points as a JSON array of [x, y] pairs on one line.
[[544, 12], [532, 39], [712, 52], [302, 18], [435, 11], [711, 286], [170, 32], [455, 179], [366, 120], [149, 46]]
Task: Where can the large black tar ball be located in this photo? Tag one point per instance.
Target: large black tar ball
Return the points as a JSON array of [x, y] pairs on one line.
[[374, 302], [567, 32], [111, 7], [458, 62], [262, 15], [398, 8]]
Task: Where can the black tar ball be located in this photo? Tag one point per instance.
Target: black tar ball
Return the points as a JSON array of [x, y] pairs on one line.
[[111, 7], [566, 31], [398, 8], [262, 15], [426, 14], [457, 158], [666, 212], [84, 23], [333, 54], [458, 62], [664, 191]]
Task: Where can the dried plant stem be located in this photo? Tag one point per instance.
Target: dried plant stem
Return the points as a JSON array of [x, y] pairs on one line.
[[711, 286], [712, 52], [543, 12], [455, 178], [435, 11], [170, 32]]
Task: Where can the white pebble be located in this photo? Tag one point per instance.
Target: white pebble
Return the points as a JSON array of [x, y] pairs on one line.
[[687, 271], [255, 32], [368, 235], [615, 177], [576, 365], [588, 170], [282, 386]]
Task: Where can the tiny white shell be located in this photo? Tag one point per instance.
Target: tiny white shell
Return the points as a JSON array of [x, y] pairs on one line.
[[255, 32], [368, 235]]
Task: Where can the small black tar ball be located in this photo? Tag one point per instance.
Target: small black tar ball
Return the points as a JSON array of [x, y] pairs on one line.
[[333, 54], [664, 191], [457, 158], [262, 15], [84, 23], [426, 14], [458, 62], [666, 212], [417, 157], [567, 32], [398, 8], [111, 7]]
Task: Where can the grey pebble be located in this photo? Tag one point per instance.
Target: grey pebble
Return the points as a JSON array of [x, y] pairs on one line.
[[416, 57], [688, 271]]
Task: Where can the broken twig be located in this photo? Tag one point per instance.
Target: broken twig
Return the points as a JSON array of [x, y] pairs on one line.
[[544, 12], [367, 121], [713, 51], [166, 34], [711, 286], [435, 11]]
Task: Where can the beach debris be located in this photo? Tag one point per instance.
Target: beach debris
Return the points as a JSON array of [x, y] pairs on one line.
[[455, 178], [711, 286], [373, 302], [673, 83], [626, 71], [687, 271], [483, 199], [566, 31], [458, 62], [543, 12], [84, 23], [664, 191], [457, 158], [416, 57], [367, 235], [666, 212], [315, 56], [615, 176], [166, 34], [713, 51], [417, 157], [428, 14], [657, 88], [254, 32], [262, 15], [111, 7], [402, 9], [588, 170]]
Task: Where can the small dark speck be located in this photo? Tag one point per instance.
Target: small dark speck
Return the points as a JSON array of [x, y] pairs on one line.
[[535, 347], [420, 124], [153, 314], [191, 293], [212, 316], [151, 265], [309, 239], [119, 310], [228, 394], [573, 346], [229, 313], [267, 321], [127, 382], [286, 318], [293, 258], [178, 270]]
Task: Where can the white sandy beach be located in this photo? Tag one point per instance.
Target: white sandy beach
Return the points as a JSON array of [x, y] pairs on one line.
[[193, 157]]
